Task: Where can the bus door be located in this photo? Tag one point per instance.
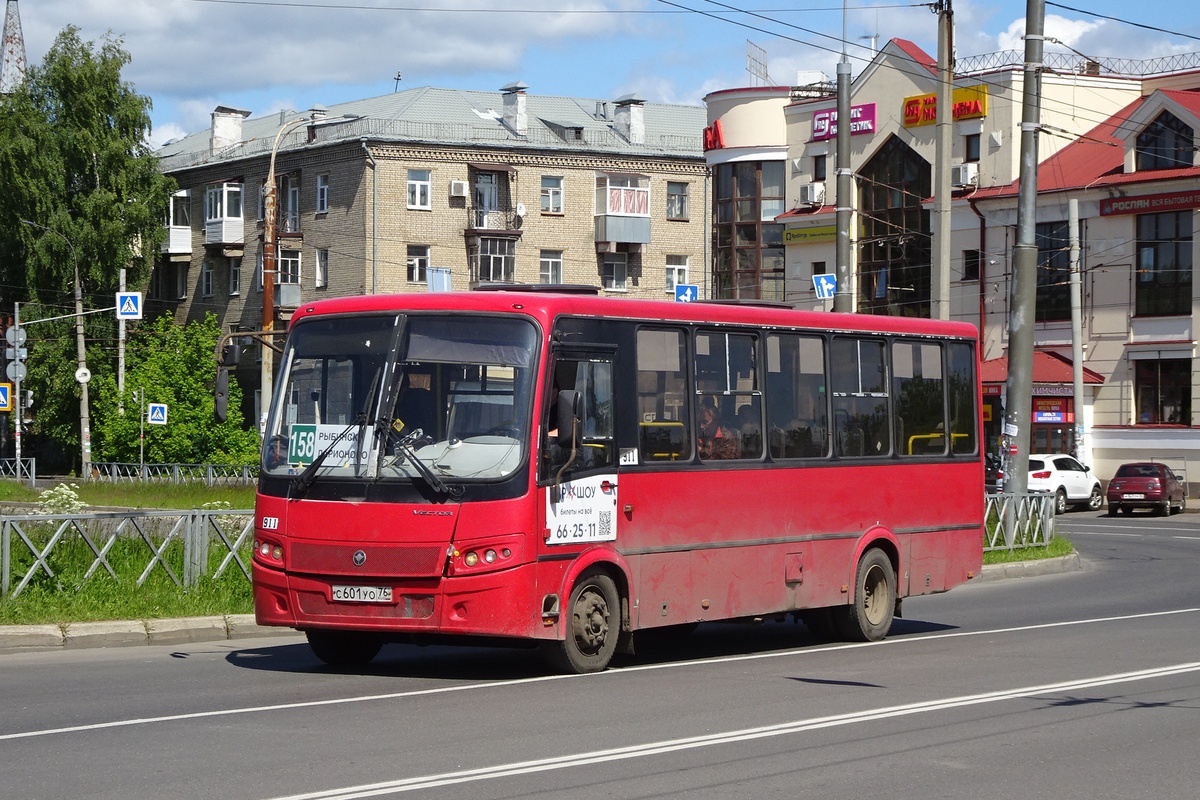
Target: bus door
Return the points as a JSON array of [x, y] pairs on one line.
[[577, 494]]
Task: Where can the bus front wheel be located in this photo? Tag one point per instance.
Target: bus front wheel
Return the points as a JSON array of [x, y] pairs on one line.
[[593, 626], [869, 617], [343, 648]]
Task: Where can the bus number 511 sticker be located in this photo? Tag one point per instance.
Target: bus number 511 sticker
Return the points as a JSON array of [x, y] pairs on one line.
[[583, 510]]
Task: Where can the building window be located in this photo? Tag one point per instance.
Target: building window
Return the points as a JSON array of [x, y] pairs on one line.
[[322, 194], [1164, 263], [207, 279], [677, 200], [420, 182], [613, 271], [552, 194], [289, 217], [287, 267], [971, 147], [223, 201], [322, 276], [622, 196], [895, 253], [181, 281], [1166, 143], [748, 253], [818, 167], [1163, 389], [970, 265], [819, 268], [157, 276], [1053, 272], [496, 260], [550, 266], [418, 263], [235, 275], [179, 213], [677, 272], [258, 273]]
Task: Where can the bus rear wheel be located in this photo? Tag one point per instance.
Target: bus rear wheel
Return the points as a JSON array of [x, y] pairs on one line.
[[343, 648], [869, 617], [593, 626]]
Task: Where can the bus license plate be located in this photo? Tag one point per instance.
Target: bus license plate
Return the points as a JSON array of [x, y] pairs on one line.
[[362, 594], [1134, 496]]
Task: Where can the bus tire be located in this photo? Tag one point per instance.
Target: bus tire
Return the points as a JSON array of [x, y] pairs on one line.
[[593, 626], [868, 618], [343, 648]]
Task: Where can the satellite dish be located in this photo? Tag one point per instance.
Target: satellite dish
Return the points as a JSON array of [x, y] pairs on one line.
[[520, 209]]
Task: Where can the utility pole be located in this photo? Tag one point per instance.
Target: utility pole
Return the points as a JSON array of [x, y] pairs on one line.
[[942, 149], [1076, 329], [844, 298], [1023, 293]]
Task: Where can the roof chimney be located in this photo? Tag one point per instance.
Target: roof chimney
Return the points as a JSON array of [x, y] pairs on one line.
[[226, 128], [631, 122], [515, 115]]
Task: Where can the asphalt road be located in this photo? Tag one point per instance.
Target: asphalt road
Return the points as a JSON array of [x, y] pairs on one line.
[[1079, 685]]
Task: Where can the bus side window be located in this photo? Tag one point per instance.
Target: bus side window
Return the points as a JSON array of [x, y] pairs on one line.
[[664, 416], [593, 379]]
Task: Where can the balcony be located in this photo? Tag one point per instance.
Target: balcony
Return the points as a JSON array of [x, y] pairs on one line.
[[482, 218], [178, 241], [623, 214], [225, 230]]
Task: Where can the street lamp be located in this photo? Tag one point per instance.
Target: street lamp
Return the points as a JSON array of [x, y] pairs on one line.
[[81, 374], [269, 255]]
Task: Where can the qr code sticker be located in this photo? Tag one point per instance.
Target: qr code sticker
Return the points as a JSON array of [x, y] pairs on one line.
[[605, 525]]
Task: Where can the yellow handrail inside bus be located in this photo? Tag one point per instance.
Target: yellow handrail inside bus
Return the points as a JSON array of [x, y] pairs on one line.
[[932, 438]]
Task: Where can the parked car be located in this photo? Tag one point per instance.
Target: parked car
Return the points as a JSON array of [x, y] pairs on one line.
[[1071, 483], [993, 474], [1146, 485]]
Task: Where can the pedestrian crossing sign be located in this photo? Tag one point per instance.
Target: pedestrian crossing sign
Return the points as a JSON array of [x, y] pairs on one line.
[[6, 397], [129, 305], [156, 413]]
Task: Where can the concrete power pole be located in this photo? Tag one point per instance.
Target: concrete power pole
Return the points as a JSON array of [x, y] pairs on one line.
[[943, 147], [1023, 306], [844, 299]]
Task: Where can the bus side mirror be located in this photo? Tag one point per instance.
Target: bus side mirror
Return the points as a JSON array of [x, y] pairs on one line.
[[221, 397], [570, 419]]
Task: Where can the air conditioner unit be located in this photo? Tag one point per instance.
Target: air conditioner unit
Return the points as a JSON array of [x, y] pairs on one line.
[[812, 194], [459, 188], [962, 175]]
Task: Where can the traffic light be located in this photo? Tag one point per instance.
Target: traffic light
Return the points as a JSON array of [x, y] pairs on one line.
[[29, 398]]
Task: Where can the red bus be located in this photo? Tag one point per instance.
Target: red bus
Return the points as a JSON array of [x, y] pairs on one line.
[[571, 469]]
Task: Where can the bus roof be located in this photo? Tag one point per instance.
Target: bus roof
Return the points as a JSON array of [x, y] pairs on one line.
[[547, 305]]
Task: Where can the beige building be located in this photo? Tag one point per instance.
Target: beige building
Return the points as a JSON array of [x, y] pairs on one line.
[[1103, 136], [433, 189]]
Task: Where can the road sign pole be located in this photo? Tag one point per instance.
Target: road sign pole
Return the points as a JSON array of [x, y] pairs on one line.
[[17, 389]]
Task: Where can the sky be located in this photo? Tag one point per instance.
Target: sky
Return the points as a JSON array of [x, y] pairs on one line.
[[188, 56]]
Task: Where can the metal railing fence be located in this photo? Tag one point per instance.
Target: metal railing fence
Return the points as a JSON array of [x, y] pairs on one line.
[[210, 474], [68, 550], [1018, 520], [28, 472]]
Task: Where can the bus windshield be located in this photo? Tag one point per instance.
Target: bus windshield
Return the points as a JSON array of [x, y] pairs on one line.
[[434, 398]]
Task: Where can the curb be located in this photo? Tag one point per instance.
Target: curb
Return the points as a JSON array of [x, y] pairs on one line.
[[183, 630], [124, 633], [1029, 569]]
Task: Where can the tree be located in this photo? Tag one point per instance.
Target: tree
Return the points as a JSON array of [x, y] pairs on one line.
[[75, 162], [175, 365]]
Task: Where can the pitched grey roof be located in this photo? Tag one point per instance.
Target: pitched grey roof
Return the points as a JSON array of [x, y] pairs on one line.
[[462, 118]]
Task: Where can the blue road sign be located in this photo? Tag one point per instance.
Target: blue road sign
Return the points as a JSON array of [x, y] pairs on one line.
[[156, 413], [826, 285], [129, 305], [6, 397], [686, 292]]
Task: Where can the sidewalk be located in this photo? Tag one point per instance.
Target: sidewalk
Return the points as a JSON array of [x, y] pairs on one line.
[[184, 630]]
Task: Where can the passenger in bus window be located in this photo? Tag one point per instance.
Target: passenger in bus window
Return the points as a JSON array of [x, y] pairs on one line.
[[277, 452], [716, 439]]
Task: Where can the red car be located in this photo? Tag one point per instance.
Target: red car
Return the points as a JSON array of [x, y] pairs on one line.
[[1146, 485]]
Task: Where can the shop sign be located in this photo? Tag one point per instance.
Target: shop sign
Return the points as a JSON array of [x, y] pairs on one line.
[[968, 102], [819, 233], [862, 120], [1149, 203]]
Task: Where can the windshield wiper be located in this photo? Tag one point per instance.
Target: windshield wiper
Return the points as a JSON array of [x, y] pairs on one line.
[[302, 482], [404, 447]]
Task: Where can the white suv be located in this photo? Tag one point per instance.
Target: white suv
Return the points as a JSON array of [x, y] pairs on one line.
[[1070, 482]]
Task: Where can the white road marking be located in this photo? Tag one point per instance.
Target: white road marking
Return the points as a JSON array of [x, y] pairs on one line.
[[227, 712], [746, 734]]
